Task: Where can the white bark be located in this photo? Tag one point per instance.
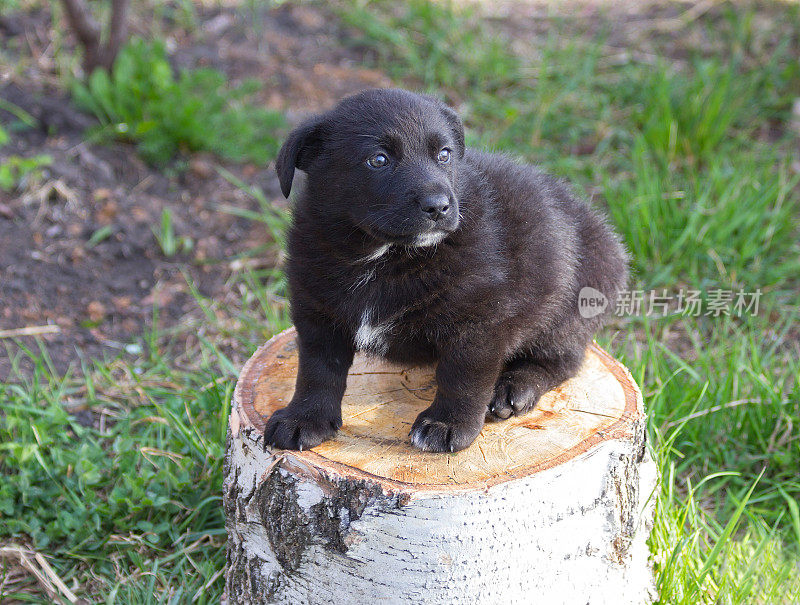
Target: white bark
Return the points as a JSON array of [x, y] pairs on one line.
[[574, 534]]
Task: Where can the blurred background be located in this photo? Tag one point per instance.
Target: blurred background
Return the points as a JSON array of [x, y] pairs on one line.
[[141, 234]]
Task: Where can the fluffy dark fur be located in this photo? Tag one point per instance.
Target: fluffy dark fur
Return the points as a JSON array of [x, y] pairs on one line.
[[467, 259]]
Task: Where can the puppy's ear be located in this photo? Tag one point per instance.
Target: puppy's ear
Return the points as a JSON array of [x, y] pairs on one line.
[[299, 150], [456, 125]]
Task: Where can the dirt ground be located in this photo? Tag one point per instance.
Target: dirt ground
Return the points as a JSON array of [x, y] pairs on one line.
[[99, 297]]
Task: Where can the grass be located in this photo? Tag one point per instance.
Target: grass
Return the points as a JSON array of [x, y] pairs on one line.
[[419, 44], [17, 171], [117, 475], [170, 243], [732, 221], [144, 102], [691, 156]]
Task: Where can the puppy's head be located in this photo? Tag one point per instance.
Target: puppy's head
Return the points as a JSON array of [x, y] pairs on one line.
[[385, 161]]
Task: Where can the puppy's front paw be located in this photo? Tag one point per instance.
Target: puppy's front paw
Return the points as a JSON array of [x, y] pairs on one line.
[[291, 429], [432, 434]]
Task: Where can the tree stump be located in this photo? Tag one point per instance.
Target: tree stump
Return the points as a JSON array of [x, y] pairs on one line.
[[552, 507]]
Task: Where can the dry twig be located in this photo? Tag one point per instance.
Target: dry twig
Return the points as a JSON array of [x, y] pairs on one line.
[[30, 331], [37, 565]]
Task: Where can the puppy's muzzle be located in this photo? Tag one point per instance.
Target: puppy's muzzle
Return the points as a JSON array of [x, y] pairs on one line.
[[435, 206]]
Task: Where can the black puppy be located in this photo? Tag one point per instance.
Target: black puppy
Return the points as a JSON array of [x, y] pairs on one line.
[[407, 246]]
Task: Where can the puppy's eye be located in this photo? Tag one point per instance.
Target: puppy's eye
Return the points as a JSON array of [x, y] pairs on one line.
[[444, 156], [377, 161]]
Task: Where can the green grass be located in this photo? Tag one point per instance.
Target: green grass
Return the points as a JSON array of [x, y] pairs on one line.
[[170, 243], [419, 44], [116, 474], [733, 221], [17, 171], [144, 102], [690, 154]]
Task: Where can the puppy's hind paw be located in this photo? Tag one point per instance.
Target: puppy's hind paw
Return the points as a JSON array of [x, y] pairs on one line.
[[290, 430], [515, 393]]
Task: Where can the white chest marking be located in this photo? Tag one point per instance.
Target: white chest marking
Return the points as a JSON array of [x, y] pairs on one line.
[[371, 337]]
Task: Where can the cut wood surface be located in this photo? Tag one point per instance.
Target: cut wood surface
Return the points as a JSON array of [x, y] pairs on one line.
[[382, 400], [554, 506]]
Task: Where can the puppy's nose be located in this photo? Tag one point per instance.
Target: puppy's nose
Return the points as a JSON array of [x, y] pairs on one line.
[[435, 206]]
